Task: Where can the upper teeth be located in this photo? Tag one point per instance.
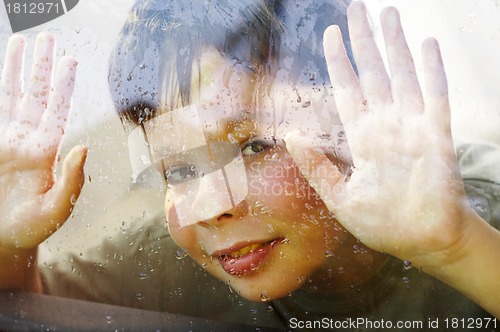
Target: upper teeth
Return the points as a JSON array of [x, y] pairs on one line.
[[245, 250]]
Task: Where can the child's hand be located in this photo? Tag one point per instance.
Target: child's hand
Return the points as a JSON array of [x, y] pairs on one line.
[[405, 195], [32, 122]]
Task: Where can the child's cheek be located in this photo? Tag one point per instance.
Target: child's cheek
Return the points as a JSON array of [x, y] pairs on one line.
[[278, 183], [184, 237]]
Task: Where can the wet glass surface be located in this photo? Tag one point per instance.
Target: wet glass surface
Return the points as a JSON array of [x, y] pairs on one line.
[[116, 250]]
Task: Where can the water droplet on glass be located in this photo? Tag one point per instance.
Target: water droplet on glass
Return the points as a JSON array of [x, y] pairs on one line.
[[407, 265], [289, 190], [109, 319], [480, 207], [145, 159], [329, 253], [72, 200], [181, 253], [232, 139], [463, 29], [264, 297]]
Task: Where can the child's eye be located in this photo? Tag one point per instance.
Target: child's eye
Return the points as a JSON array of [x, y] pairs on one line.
[[179, 174], [255, 146]]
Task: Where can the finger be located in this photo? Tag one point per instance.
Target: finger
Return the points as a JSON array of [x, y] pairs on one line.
[[348, 95], [372, 74], [322, 175], [404, 81], [37, 95], [437, 103], [61, 198], [12, 75], [53, 122]]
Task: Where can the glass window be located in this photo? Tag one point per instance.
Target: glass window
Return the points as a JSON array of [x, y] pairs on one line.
[[231, 165]]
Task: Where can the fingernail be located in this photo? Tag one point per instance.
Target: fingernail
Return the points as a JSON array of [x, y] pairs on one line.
[[80, 158], [45, 35], [19, 39], [83, 151], [392, 17], [431, 52], [332, 40], [357, 8]]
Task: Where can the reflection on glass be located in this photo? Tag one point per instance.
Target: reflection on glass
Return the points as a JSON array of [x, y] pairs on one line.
[[290, 188]]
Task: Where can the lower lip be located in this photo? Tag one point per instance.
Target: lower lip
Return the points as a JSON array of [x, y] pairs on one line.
[[247, 263]]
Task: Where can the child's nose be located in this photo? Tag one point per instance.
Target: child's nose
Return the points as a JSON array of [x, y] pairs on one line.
[[213, 197], [219, 193]]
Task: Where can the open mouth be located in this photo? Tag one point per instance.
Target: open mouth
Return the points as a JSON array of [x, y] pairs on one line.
[[247, 259]]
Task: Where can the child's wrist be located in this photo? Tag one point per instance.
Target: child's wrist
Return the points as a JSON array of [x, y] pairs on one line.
[[478, 256], [457, 251], [19, 269], [449, 264]]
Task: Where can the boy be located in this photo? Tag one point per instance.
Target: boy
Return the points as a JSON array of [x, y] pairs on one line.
[[271, 215]]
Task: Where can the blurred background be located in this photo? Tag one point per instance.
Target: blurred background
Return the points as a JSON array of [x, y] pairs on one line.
[[467, 30]]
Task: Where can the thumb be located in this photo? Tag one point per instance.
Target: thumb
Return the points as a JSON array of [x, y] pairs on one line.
[[61, 198], [322, 175]]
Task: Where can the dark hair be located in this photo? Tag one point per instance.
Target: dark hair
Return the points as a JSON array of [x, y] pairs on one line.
[[305, 22], [151, 66], [162, 38]]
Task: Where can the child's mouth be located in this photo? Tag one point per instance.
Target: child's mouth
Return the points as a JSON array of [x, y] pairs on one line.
[[247, 259]]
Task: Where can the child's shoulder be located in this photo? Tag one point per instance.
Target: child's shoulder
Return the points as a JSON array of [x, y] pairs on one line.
[[479, 164]]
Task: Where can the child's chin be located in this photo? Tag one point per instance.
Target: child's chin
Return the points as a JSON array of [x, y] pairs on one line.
[[261, 294], [252, 287]]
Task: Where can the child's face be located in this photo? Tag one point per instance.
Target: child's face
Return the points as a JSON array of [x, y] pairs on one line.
[[278, 232]]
